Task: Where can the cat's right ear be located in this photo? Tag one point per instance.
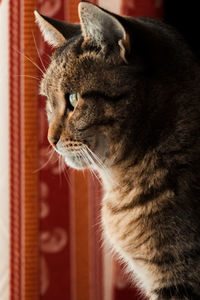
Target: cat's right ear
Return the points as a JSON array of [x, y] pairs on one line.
[[102, 28], [56, 32]]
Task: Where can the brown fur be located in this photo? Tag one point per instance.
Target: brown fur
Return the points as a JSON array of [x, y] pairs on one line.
[[139, 112]]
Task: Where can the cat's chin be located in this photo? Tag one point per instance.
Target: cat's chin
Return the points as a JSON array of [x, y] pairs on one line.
[[76, 163]]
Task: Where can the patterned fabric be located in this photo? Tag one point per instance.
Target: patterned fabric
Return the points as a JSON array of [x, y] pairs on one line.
[[62, 209]]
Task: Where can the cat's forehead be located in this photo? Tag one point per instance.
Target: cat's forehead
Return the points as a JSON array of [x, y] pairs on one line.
[[61, 63], [68, 64]]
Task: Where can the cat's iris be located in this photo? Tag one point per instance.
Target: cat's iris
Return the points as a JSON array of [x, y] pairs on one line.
[[73, 99]]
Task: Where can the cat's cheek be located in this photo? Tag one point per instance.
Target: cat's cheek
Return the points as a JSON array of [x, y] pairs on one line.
[[101, 146]]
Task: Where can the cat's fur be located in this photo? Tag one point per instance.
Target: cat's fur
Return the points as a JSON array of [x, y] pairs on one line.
[[137, 122]]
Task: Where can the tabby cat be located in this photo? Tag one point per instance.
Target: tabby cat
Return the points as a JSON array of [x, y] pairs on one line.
[[123, 99]]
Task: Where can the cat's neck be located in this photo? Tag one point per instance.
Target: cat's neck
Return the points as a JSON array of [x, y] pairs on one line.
[[127, 181], [117, 178]]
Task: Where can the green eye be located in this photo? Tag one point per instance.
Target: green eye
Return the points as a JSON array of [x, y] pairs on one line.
[[73, 99]]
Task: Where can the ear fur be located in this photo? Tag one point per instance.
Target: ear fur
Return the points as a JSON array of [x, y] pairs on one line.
[[56, 32], [102, 28]]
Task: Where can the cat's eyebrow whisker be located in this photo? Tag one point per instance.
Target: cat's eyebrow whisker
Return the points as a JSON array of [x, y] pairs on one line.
[[34, 63], [38, 52]]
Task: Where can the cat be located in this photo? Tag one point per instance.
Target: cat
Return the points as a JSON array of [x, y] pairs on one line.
[[123, 99]]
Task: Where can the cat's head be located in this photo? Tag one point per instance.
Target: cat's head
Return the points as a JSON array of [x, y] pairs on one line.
[[97, 84]]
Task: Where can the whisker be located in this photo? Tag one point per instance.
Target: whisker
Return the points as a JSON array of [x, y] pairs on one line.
[[38, 52], [29, 76], [59, 169], [100, 165], [46, 163], [95, 157], [29, 60], [66, 173], [90, 160], [50, 149], [85, 158], [79, 157]]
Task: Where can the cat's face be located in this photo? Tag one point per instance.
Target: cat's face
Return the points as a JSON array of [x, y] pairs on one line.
[[87, 88], [109, 85]]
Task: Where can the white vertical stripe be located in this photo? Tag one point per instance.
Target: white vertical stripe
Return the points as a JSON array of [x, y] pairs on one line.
[[4, 152]]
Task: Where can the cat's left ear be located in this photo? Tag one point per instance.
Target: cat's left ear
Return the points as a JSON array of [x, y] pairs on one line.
[[103, 28], [56, 32]]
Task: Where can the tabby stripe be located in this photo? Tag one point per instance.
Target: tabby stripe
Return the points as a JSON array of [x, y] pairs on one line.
[[178, 291], [100, 95], [105, 122], [141, 200], [151, 194], [143, 242], [167, 259]]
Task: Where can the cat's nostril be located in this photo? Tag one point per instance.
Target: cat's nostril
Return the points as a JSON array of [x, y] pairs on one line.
[[53, 141]]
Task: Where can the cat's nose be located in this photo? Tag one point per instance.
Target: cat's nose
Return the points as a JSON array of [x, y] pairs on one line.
[[53, 141], [54, 132]]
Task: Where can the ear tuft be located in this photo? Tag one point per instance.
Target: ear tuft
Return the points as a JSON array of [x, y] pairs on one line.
[[51, 35]]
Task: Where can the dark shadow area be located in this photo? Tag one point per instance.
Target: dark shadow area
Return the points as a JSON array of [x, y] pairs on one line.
[[184, 16]]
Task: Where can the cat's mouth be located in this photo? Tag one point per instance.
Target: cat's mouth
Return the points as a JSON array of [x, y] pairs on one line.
[[77, 154]]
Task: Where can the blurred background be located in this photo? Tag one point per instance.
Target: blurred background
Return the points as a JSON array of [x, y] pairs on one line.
[[50, 234]]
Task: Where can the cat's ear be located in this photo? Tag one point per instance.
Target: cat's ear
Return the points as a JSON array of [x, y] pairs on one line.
[[56, 32], [103, 28]]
